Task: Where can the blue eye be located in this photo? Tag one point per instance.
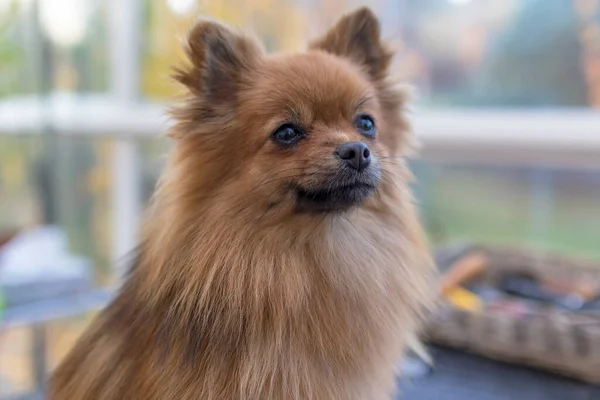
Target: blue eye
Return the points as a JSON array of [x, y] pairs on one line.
[[287, 135], [365, 125]]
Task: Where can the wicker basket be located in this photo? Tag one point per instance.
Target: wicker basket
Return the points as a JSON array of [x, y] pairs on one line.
[[564, 342]]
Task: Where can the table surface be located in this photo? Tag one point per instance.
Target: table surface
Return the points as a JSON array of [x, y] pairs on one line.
[[55, 308], [461, 376]]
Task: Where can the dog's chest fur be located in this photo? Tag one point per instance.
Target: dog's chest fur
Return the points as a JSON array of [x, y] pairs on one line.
[[324, 319]]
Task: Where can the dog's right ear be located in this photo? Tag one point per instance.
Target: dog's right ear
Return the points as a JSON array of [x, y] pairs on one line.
[[218, 58]]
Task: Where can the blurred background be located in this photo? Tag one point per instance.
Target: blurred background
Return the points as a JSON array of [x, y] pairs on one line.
[[506, 112]]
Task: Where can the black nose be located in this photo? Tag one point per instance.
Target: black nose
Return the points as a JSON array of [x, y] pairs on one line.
[[355, 154]]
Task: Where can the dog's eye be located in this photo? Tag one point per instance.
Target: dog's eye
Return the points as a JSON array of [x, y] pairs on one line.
[[365, 124], [287, 135]]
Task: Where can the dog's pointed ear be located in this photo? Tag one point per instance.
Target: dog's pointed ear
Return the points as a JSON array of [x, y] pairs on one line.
[[218, 58], [357, 36]]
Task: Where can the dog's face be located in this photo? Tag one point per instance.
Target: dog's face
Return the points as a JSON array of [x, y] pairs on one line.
[[309, 132], [317, 131]]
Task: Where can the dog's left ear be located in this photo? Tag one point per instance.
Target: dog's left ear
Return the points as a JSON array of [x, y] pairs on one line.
[[357, 36]]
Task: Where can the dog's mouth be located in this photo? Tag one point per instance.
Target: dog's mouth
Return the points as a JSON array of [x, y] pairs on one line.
[[333, 197]]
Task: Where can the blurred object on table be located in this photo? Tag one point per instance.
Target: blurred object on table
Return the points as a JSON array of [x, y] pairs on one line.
[[36, 264], [538, 309], [6, 236]]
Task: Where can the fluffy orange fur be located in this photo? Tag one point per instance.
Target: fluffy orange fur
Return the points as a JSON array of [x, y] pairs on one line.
[[237, 293]]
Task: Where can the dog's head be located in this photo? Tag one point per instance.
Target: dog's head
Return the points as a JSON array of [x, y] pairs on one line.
[[312, 132]]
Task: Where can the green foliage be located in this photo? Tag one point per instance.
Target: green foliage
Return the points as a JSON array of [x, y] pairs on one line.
[[11, 54]]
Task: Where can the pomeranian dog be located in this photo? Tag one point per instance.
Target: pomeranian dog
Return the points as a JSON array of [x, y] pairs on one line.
[[281, 257]]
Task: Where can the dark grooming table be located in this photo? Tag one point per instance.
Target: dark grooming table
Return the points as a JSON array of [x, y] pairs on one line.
[[460, 376]]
